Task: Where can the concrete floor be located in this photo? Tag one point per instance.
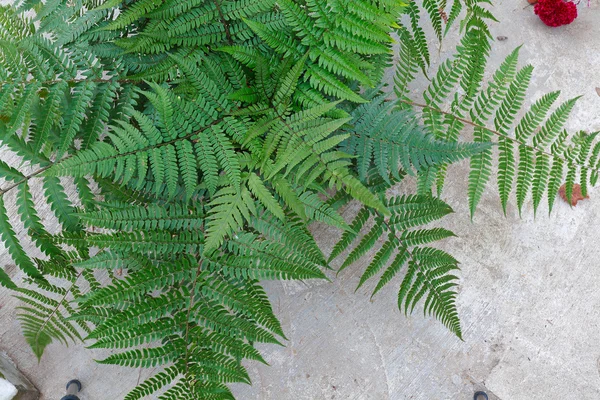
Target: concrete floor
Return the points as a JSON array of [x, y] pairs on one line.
[[529, 299]]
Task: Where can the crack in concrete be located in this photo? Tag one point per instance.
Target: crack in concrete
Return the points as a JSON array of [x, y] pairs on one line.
[[387, 378]]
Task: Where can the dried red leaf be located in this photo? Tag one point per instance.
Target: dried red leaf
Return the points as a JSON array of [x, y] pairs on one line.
[[575, 196], [443, 15]]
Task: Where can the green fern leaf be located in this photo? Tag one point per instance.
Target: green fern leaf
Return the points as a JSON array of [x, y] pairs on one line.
[[425, 181], [288, 84], [229, 210], [153, 383], [379, 260], [554, 124], [433, 9], [42, 319], [74, 116], [169, 158], [207, 162], [418, 33], [174, 217], [187, 165], [535, 116], [87, 197], [10, 174], [506, 171], [318, 210], [413, 210], [259, 190], [424, 236], [406, 69], [60, 204], [393, 269], [155, 242], [137, 10], [481, 168], [540, 178], [525, 175], [22, 108], [364, 246], [138, 284], [225, 153], [49, 116], [93, 127], [14, 249], [349, 235], [144, 358], [32, 222], [254, 259], [429, 275]]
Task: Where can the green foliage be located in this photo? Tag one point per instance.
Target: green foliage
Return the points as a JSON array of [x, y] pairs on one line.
[[429, 271], [185, 147], [393, 141], [45, 311], [535, 153]]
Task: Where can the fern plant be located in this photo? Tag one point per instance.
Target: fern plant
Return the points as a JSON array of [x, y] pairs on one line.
[[200, 141], [202, 138], [429, 271], [535, 153]]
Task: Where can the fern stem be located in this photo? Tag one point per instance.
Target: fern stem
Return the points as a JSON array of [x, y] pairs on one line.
[[217, 4], [25, 179], [72, 81], [187, 321], [499, 134], [55, 310]]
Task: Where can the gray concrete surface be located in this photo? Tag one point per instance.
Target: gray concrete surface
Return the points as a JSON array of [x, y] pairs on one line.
[[25, 390], [529, 299]]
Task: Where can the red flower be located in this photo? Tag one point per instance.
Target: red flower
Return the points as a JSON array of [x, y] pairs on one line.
[[556, 12]]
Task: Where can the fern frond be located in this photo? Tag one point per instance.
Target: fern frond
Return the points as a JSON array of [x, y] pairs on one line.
[[503, 99], [144, 358], [60, 203], [175, 217], [153, 242], [525, 174], [506, 171], [392, 141], [197, 141], [264, 259], [74, 117], [224, 152], [535, 116], [42, 318], [554, 125], [9, 173], [137, 10], [136, 285], [49, 116], [349, 235], [259, 190], [153, 384], [14, 248], [424, 277], [541, 174], [31, 221], [229, 210], [429, 270]]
